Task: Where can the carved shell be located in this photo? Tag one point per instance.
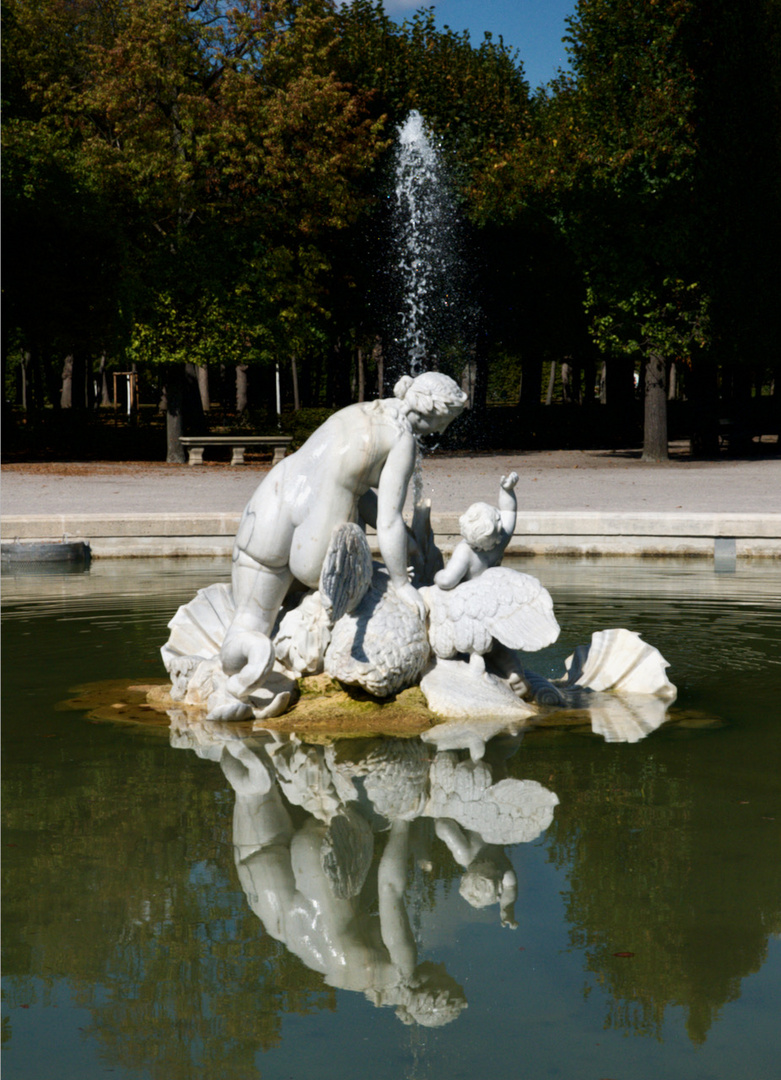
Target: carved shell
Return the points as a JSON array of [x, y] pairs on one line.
[[198, 628], [620, 660]]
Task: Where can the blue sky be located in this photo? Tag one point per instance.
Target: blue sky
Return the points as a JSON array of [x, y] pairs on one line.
[[533, 27]]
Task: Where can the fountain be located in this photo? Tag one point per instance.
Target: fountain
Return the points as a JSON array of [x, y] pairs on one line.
[[425, 259], [641, 896], [306, 598]]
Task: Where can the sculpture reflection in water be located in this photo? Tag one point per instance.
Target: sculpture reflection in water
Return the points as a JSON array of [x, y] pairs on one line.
[[306, 597], [312, 883]]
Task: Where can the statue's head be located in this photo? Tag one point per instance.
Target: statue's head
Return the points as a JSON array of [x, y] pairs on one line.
[[490, 879], [431, 400], [481, 526]]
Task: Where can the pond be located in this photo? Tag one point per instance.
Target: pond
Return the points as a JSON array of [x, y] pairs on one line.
[[648, 911]]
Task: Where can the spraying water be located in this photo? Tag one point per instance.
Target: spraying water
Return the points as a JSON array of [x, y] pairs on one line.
[[425, 249]]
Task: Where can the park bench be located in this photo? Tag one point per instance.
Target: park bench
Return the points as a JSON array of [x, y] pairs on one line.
[[196, 444]]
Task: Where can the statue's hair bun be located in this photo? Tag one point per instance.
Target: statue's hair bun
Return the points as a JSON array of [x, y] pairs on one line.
[[402, 386]]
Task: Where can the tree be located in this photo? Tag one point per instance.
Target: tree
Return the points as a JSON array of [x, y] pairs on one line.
[[661, 173], [227, 142], [610, 163], [63, 240]]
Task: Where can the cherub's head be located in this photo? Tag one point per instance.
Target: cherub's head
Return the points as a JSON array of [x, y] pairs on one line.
[[490, 879], [481, 526]]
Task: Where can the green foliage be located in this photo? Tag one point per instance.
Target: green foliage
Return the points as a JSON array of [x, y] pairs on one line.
[[225, 141], [671, 320], [504, 379], [205, 182], [474, 97], [303, 423]]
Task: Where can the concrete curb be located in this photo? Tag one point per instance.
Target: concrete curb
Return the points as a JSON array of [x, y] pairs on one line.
[[741, 535]]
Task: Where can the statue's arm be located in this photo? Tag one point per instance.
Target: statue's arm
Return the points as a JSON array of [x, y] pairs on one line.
[[508, 505], [391, 493], [397, 936], [456, 569]]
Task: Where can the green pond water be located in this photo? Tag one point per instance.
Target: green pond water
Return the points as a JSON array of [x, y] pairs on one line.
[[648, 911]]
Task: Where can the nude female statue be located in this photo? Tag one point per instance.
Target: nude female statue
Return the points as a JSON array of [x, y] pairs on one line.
[[287, 524]]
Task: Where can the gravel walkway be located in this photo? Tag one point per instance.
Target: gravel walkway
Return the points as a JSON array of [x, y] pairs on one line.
[[557, 480]]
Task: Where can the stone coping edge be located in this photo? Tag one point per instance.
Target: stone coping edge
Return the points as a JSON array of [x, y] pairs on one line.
[[537, 533]]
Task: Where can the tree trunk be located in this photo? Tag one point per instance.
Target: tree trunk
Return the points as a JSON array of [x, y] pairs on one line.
[[294, 376], [24, 370], [551, 383], [194, 418], [469, 381], [361, 376], [379, 360], [655, 419], [73, 394], [203, 386], [672, 386], [89, 383], [242, 396], [105, 396], [570, 383], [66, 393], [174, 417]]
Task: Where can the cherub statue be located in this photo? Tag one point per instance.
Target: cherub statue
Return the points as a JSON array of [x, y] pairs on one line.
[[475, 603], [486, 532]]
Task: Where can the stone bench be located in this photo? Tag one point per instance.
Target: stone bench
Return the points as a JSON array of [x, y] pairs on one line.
[[196, 444]]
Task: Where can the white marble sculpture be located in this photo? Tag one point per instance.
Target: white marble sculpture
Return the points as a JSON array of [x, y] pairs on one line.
[[486, 532], [383, 645], [359, 462], [306, 597]]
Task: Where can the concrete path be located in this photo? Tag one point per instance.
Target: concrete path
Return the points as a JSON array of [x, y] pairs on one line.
[[567, 500]]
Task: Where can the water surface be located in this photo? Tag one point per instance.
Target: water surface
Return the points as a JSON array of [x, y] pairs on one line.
[[648, 911]]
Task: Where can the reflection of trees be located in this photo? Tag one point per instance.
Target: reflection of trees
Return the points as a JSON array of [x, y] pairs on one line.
[[663, 863], [144, 921]]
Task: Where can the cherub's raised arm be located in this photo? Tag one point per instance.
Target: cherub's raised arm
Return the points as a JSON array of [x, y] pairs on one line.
[[508, 506]]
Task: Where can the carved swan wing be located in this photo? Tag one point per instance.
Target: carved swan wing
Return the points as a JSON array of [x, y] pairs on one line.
[[500, 605]]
